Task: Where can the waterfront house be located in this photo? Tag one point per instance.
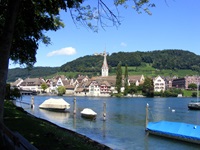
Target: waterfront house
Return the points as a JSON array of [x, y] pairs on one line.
[[137, 80], [17, 83], [32, 84], [94, 89], [159, 84], [69, 89], [183, 83], [82, 79]]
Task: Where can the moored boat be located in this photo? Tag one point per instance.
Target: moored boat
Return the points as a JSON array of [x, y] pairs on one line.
[[55, 104], [88, 113], [195, 105]]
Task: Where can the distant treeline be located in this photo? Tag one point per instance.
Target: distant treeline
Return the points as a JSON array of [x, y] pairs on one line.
[[14, 74], [159, 59]]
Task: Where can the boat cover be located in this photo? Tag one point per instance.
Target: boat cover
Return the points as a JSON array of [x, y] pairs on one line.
[[176, 129], [88, 111], [53, 103]]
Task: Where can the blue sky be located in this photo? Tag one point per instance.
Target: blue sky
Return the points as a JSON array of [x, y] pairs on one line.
[[174, 24]]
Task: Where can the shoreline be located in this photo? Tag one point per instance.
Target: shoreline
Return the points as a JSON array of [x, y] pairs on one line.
[[86, 139]]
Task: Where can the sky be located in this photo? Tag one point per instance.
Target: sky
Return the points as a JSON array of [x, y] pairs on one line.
[[174, 24]]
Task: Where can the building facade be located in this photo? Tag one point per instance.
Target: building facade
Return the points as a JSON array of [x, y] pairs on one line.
[[159, 84]]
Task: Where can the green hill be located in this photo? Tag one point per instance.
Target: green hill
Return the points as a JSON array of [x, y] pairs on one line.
[[14, 74], [159, 62]]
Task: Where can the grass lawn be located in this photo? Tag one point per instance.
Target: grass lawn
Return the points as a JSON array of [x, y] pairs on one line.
[[188, 93], [45, 135]]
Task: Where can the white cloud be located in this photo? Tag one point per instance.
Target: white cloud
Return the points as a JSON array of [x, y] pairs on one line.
[[63, 51], [123, 44]]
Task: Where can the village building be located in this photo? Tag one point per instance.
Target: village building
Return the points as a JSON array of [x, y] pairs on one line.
[[137, 80], [183, 83], [32, 84], [159, 84], [168, 82], [17, 83]]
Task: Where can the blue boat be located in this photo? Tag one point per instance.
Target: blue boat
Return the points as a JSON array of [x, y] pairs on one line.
[[175, 130]]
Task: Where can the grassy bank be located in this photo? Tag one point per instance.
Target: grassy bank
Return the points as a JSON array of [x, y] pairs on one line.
[[43, 134]]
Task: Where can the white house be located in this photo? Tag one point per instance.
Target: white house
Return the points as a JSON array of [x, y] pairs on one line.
[[94, 89], [32, 84], [159, 84]]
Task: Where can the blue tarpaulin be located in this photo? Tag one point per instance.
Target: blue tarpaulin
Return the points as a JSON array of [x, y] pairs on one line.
[[176, 130]]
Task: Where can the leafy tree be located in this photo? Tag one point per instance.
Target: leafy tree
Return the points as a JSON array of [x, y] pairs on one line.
[[192, 86], [22, 26], [132, 89], [12, 93], [194, 94], [126, 80], [148, 88], [61, 90], [44, 86], [119, 77], [15, 93], [173, 92]]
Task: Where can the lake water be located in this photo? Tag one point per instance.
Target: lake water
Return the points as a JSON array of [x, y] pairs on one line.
[[124, 128]]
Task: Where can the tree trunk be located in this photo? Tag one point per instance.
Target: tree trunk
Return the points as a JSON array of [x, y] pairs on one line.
[[5, 46]]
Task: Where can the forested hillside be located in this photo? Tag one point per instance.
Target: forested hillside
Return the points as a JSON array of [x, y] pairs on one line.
[[159, 59], [14, 74], [172, 60]]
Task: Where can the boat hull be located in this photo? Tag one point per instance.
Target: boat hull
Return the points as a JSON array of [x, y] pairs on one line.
[[194, 106], [55, 109], [92, 117], [88, 114]]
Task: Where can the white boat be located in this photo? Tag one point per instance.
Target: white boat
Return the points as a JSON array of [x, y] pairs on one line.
[[195, 105], [58, 104], [88, 113]]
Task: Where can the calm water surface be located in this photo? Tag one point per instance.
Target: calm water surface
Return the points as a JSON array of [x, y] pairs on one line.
[[124, 128]]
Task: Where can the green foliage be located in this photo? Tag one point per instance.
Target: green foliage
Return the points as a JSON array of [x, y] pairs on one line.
[[169, 93], [126, 80], [192, 86], [12, 94], [132, 89], [148, 88], [44, 86], [188, 93], [84, 64], [29, 32], [194, 94], [151, 63], [14, 74], [119, 77], [61, 90]]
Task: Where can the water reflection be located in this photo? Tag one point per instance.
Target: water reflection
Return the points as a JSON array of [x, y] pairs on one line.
[[54, 116], [74, 121], [104, 129]]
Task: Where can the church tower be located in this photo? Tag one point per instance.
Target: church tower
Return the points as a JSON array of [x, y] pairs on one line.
[[104, 69]]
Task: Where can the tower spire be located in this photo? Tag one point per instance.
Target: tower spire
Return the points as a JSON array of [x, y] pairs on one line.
[[104, 69]]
